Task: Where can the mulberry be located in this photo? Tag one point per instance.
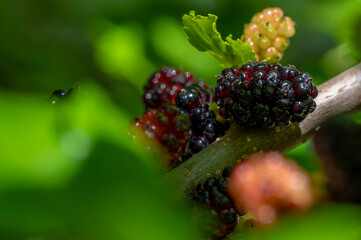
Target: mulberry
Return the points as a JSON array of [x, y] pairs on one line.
[[268, 183], [262, 95], [205, 127], [164, 85], [169, 128], [268, 34], [193, 97], [212, 195]]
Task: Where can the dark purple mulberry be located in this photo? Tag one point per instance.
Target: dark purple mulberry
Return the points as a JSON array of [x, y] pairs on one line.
[[263, 95], [164, 85], [205, 128], [212, 196], [193, 97]]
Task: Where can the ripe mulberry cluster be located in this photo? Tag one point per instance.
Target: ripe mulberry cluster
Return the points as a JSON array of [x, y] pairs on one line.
[[169, 128], [205, 128], [268, 34], [164, 85], [263, 95], [178, 114], [212, 194]]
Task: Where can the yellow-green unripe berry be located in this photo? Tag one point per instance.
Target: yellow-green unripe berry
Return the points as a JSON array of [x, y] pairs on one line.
[[268, 34]]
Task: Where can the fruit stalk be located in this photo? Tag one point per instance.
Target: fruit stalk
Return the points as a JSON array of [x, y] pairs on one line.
[[339, 94]]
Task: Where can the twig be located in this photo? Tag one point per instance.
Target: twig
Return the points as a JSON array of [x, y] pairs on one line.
[[339, 94]]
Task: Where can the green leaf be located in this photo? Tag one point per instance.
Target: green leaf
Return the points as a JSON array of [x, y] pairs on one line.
[[203, 35]]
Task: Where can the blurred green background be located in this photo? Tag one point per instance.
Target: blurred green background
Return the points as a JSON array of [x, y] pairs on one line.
[[71, 171]]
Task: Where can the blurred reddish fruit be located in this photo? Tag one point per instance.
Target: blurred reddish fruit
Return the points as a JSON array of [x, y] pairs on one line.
[[268, 183]]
